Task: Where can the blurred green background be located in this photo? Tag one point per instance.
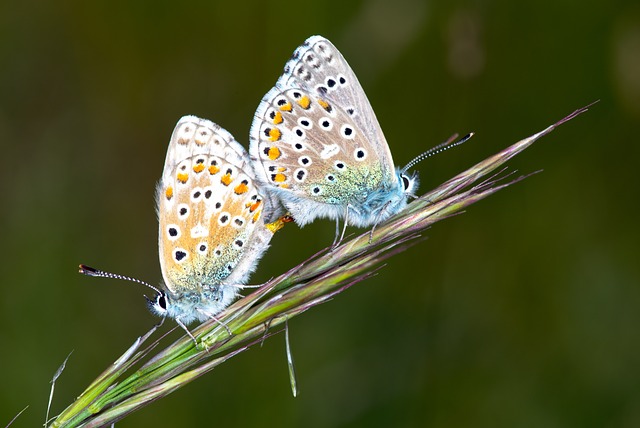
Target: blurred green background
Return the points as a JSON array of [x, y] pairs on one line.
[[523, 312]]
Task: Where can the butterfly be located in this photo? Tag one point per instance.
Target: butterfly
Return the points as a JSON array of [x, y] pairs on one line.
[[317, 145], [212, 231]]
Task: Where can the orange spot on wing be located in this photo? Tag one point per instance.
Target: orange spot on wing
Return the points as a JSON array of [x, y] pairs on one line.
[[169, 193], [256, 216], [283, 186], [240, 189], [226, 179], [255, 206], [279, 177], [277, 119], [274, 134], [325, 105], [213, 169], [286, 107], [274, 153], [182, 177], [304, 102], [198, 167]]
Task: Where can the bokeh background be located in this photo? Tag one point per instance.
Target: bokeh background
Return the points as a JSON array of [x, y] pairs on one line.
[[523, 312]]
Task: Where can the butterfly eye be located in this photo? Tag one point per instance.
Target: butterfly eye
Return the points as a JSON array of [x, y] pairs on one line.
[[406, 182], [161, 301]]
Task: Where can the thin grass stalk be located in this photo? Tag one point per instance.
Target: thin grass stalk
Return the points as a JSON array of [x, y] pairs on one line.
[[123, 388]]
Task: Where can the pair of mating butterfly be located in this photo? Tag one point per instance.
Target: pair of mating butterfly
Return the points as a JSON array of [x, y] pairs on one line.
[[317, 150]]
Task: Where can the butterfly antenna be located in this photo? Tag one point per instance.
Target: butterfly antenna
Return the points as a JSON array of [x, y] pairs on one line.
[[438, 149], [89, 271]]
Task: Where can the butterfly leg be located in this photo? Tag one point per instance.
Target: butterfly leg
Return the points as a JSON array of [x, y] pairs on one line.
[[160, 323], [336, 240], [344, 227], [384, 207], [242, 287], [216, 320], [371, 232], [184, 327]]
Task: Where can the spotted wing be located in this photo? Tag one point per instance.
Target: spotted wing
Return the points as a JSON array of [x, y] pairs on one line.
[[195, 136], [210, 210], [307, 145], [318, 67]]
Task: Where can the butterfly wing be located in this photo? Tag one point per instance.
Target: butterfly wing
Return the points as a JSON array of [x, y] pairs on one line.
[[311, 150], [210, 210], [319, 67], [316, 137]]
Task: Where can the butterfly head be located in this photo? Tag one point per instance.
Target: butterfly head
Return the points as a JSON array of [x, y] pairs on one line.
[[159, 305], [186, 308], [189, 306], [408, 181], [395, 200]]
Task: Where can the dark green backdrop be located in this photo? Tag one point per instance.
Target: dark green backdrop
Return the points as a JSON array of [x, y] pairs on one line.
[[523, 312]]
